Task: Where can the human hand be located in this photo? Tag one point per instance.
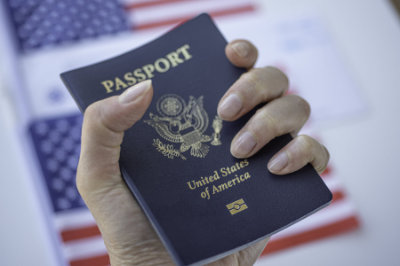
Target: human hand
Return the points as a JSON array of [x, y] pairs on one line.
[[127, 234], [281, 114]]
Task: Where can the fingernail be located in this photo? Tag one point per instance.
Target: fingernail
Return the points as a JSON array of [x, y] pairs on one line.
[[241, 48], [230, 106], [244, 144], [135, 91], [278, 162]]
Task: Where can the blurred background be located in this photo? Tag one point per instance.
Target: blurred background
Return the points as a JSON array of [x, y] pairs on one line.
[[342, 56]]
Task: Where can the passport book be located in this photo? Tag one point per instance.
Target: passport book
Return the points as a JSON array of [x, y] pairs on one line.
[[203, 203]]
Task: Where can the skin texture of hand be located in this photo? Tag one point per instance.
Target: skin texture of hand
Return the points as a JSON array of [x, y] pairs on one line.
[[128, 236]]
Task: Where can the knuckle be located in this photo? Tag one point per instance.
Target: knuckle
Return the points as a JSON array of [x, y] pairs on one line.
[[302, 104], [255, 82], [250, 78], [94, 114], [306, 144], [278, 75], [91, 110], [268, 120], [100, 116], [316, 153]]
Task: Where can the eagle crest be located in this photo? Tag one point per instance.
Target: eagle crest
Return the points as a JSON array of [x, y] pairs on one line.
[[181, 123]]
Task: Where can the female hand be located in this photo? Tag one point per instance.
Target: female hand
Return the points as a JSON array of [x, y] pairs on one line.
[[127, 234]]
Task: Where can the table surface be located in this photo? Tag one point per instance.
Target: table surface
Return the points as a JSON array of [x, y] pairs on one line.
[[364, 149]]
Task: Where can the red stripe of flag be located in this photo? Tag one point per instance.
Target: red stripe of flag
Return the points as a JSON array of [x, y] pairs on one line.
[[150, 3], [337, 196], [233, 11], [101, 260], [79, 233], [327, 171], [214, 14]]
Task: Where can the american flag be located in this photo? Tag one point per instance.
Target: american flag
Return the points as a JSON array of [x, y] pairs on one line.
[[42, 23], [39, 24]]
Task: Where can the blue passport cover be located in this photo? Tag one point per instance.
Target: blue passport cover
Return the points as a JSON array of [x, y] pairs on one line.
[[203, 202]]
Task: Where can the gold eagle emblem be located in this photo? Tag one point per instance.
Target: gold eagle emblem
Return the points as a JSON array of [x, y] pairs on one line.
[[183, 123]]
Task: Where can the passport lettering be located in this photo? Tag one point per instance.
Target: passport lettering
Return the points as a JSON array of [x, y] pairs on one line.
[[205, 182], [161, 65]]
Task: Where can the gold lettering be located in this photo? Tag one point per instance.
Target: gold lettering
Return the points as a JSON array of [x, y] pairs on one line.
[[148, 69], [215, 189], [199, 184], [161, 65], [190, 185], [230, 183], [234, 168], [165, 62], [216, 175], [119, 83], [129, 78], [184, 50], [174, 59], [237, 179], [204, 180], [234, 181], [223, 171], [247, 175], [223, 186], [139, 74], [108, 84], [244, 163]]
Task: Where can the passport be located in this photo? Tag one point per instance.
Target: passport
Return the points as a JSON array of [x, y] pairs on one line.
[[203, 203]]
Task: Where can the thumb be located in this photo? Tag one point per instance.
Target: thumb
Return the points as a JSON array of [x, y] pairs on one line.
[[102, 133]]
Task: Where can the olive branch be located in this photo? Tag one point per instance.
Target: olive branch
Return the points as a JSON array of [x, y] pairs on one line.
[[167, 149]]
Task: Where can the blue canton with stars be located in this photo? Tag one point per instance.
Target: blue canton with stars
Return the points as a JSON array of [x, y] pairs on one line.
[[40, 23], [57, 145]]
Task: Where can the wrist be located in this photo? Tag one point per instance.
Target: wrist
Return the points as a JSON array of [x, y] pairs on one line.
[[146, 254]]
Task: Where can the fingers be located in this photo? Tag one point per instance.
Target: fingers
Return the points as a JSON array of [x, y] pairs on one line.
[[252, 88], [280, 116], [102, 133], [256, 86], [297, 153], [241, 53]]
